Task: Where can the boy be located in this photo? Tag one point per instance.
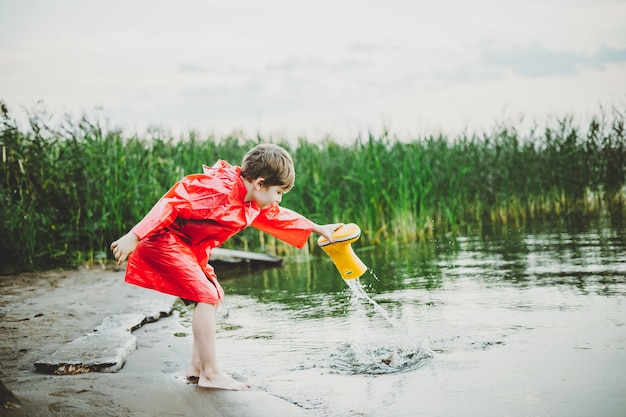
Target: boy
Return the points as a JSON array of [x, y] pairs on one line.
[[169, 249]]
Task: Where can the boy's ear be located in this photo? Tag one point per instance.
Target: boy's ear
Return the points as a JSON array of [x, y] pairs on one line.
[[259, 183]]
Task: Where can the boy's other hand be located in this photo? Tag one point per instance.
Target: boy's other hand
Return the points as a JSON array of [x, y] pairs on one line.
[[124, 246]]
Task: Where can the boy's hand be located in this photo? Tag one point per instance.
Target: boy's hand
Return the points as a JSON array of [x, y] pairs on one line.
[[327, 230], [124, 246]]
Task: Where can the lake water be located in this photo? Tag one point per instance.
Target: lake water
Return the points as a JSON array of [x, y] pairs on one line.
[[519, 325]]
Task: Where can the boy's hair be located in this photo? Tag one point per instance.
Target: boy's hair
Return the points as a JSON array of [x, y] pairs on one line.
[[270, 162]]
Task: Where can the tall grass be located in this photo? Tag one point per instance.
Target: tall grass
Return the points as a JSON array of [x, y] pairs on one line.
[[68, 190]]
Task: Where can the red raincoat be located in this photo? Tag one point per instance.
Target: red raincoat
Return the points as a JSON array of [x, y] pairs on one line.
[[199, 213]]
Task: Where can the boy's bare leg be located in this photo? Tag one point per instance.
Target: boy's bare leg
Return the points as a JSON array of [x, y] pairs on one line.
[[204, 328]]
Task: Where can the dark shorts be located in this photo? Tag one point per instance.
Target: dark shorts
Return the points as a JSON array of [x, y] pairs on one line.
[[189, 302]]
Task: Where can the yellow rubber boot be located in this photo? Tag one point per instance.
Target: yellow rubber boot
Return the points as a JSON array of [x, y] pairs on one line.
[[347, 262]]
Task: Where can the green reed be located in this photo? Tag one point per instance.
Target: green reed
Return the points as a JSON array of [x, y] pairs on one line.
[[68, 190]]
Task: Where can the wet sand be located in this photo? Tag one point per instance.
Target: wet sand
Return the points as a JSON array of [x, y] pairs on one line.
[[40, 313]]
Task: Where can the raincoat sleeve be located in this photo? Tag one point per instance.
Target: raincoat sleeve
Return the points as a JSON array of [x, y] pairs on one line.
[[175, 203], [284, 224]]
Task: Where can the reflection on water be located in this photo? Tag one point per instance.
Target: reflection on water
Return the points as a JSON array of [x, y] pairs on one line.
[[591, 261], [532, 324]]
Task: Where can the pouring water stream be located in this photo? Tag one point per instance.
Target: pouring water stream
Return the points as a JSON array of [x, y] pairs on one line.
[[373, 357]]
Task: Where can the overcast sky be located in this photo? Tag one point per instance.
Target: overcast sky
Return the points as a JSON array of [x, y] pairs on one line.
[[286, 68]]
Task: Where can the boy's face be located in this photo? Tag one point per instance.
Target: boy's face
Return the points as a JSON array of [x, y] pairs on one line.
[[266, 196]]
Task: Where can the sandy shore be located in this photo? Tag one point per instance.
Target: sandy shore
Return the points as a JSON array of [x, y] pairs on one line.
[[40, 313]]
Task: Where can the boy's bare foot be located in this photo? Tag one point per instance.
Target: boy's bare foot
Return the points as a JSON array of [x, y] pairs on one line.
[[192, 374], [222, 381]]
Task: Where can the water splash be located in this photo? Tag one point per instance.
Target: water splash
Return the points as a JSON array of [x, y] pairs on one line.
[[374, 358], [371, 271], [359, 359]]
